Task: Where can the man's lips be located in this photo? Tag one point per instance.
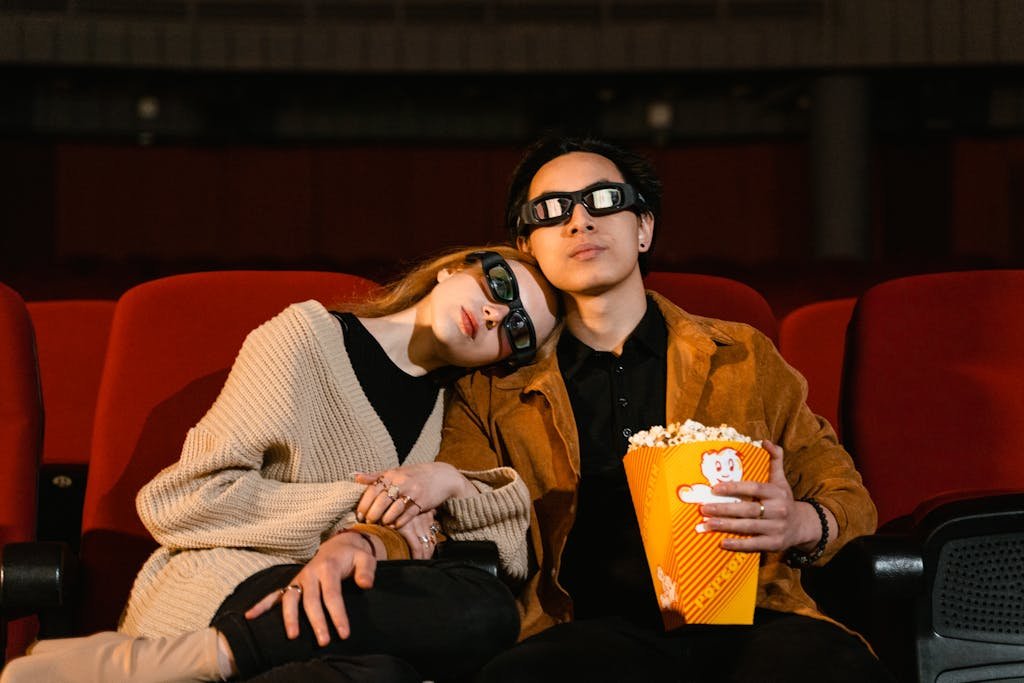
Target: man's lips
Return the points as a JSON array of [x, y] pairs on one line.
[[468, 324], [585, 251]]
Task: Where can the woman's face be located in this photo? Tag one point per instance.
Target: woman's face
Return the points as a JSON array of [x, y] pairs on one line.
[[466, 319]]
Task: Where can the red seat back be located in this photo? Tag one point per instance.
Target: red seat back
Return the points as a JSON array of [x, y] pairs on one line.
[[932, 399], [715, 297], [21, 420], [171, 345], [72, 340], [21, 435], [812, 339]]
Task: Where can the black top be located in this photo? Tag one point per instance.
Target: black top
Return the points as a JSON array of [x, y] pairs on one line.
[[604, 567], [402, 401]]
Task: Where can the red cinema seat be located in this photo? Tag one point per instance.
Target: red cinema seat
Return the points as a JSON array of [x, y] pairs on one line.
[[71, 337], [172, 342], [21, 434], [715, 297], [933, 409], [812, 339], [934, 372]]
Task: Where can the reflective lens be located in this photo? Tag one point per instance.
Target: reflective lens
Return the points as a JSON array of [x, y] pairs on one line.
[[600, 199], [603, 198], [519, 330], [502, 283]]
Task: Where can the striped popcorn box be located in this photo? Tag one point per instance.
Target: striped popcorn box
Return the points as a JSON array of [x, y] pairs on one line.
[[696, 581]]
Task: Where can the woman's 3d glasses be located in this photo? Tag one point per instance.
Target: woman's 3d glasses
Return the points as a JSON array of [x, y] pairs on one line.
[[505, 290], [599, 199]]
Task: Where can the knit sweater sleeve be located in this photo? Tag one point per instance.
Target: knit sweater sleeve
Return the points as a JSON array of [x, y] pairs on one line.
[[258, 471]]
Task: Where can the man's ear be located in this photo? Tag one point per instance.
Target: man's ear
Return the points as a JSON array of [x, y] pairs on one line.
[[645, 231], [523, 244], [443, 275]]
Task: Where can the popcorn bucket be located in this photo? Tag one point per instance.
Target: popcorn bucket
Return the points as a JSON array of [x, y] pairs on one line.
[[695, 580]]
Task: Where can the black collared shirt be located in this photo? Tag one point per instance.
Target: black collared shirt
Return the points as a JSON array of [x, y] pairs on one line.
[[604, 567]]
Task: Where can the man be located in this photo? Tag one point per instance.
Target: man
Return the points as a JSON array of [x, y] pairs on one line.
[[628, 360]]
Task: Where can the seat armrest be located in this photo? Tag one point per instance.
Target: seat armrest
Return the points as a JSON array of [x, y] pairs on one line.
[[871, 586], [36, 577], [480, 554], [868, 570]]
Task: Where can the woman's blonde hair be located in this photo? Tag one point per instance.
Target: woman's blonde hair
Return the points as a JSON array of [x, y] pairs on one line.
[[408, 289]]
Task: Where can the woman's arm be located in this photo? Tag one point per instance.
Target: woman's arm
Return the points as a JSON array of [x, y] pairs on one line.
[[234, 485], [483, 501]]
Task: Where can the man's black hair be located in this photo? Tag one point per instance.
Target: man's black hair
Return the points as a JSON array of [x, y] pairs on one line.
[[635, 169]]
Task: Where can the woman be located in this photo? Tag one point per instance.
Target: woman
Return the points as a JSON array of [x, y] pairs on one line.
[[258, 519]]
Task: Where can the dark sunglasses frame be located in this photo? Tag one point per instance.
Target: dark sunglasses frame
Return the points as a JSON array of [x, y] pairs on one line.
[[517, 315], [630, 198]]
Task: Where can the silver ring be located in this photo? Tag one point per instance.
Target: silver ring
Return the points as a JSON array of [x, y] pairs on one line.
[[434, 528], [760, 515], [425, 540], [292, 587]]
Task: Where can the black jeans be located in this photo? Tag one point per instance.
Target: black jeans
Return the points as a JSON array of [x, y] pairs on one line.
[[432, 619], [778, 648]]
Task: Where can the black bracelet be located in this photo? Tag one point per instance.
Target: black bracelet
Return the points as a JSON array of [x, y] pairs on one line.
[[798, 558]]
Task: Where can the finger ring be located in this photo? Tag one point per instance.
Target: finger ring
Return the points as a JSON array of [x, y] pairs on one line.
[[425, 540], [760, 515], [382, 482], [409, 501], [435, 528], [292, 587], [394, 492]]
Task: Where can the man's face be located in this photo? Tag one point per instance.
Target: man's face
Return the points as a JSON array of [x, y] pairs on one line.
[[586, 254]]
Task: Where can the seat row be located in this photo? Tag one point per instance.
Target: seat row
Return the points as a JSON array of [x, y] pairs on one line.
[[922, 375]]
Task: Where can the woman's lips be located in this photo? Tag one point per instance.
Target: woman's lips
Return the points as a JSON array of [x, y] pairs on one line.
[[468, 324]]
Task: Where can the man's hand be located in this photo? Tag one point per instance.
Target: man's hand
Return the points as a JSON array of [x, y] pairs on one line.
[[421, 534], [347, 554], [769, 517]]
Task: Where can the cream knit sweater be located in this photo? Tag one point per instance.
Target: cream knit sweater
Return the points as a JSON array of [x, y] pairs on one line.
[[266, 476]]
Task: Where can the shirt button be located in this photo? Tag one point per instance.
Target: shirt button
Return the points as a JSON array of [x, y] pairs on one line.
[[623, 402], [627, 432], [619, 369]]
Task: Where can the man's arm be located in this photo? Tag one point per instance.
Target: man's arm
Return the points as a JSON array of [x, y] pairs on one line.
[[816, 465], [501, 510]]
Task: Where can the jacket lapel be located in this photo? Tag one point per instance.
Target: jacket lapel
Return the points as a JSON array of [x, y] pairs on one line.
[[691, 343]]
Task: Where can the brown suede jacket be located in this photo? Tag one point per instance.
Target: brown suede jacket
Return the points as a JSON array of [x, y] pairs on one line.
[[718, 372]]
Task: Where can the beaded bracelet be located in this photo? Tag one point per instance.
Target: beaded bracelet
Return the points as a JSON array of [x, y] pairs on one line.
[[798, 558]]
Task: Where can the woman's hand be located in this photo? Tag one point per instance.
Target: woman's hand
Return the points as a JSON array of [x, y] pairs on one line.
[[769, 517], [395, 497], [421, 534], [347, 554]]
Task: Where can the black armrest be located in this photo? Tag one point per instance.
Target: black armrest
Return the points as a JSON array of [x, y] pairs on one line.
[[38, 578], [480, 554], [871, 586]]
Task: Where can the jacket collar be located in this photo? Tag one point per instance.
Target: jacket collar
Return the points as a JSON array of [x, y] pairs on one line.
[[692, 340]]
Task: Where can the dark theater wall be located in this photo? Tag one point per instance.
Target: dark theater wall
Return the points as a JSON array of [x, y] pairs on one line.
[[91, 219]]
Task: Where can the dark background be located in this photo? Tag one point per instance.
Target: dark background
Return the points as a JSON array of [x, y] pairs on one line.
[[139, 139]]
